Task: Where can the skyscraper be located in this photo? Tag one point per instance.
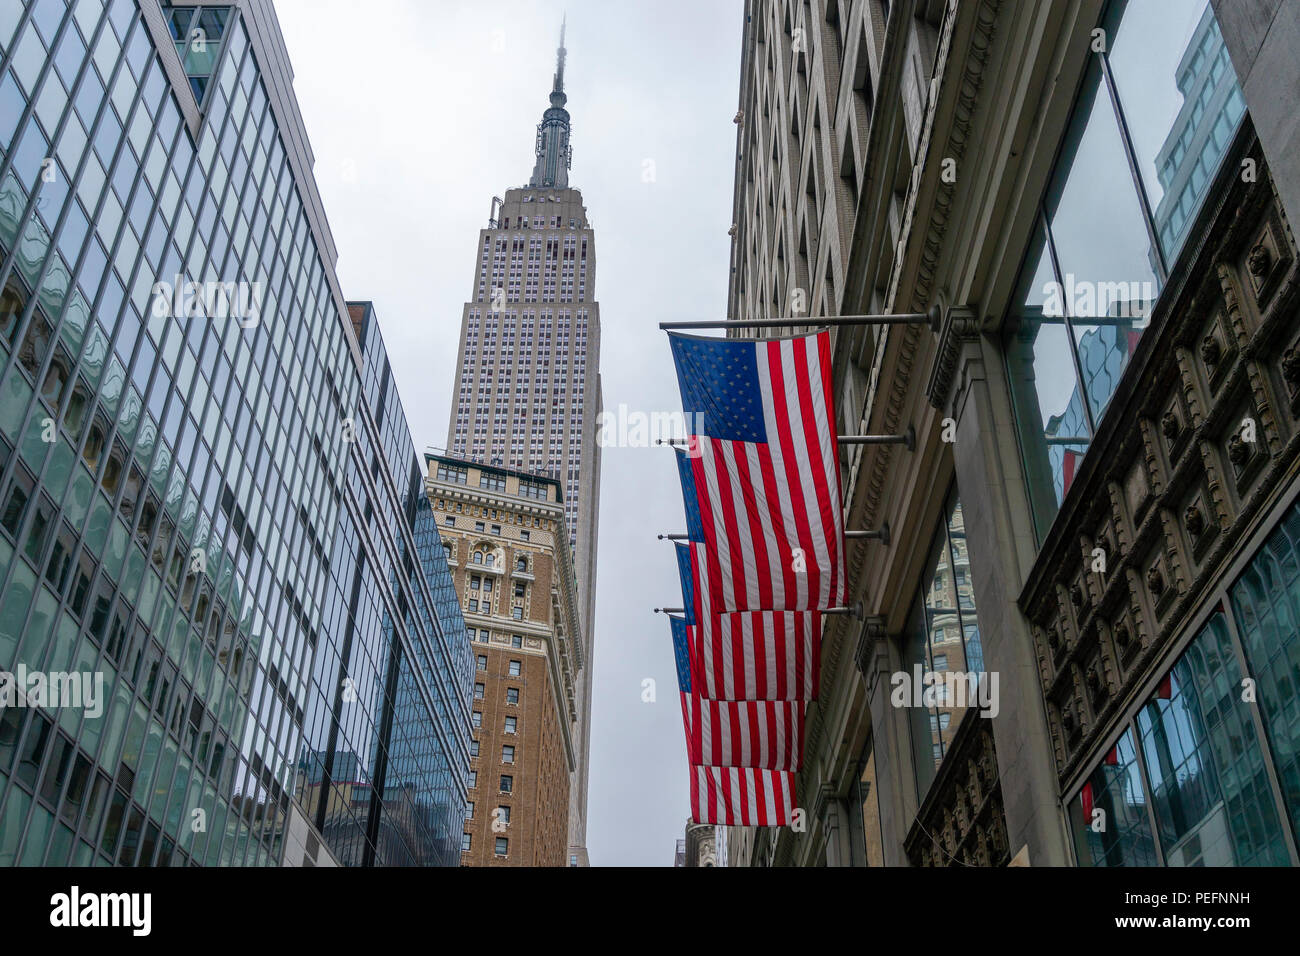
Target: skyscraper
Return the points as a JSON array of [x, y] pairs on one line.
[[190, 449], [528, 390]]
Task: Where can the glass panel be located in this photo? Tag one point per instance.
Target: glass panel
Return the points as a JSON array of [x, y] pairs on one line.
[[1109, 817], [1050, 420], [1108, 268], [1266, 606], [1211, 794], [1181, 102]]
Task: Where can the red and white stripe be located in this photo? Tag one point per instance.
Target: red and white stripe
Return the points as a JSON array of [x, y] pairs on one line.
[[757, 655], [742, 796], [760, 503], [764, 734]]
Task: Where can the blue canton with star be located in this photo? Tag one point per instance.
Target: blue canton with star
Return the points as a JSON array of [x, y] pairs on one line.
[[688, 586], [719, 385], [682, 652], [694, 524]]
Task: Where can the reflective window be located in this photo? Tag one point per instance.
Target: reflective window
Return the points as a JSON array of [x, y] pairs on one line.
[[1155, 111], [942, 656]]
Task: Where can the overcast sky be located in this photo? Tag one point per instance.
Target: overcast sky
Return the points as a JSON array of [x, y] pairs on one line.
[[419, 112]]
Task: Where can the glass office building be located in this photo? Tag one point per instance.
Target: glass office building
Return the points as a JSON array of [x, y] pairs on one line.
[[385, 758], [181, 414]]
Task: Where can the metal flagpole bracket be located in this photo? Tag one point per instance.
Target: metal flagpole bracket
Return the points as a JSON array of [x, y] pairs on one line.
[[853, 610], [882, 535], [907, 438], [933, 319]]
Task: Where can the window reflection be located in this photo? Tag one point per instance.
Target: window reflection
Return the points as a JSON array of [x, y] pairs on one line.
[[1162, 101], [1111, 825], [942, 640]]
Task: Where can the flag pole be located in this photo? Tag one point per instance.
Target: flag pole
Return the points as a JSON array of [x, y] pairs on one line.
[[907, 438], [855, 610], [931, 318], [880, 535]]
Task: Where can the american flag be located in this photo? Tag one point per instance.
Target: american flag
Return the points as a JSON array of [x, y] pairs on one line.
[[742, 796], [764, 470], [748, 655], [750, 733], [731, 795]]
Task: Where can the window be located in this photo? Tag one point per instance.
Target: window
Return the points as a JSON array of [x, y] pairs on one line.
[[521, 589], [512, 695], [525, 535], [521, 564], [469, 813], [503, 846], [1197, 759], [517, 613], [482, 661], [496, 529], [507, 783], [1097, 258], [478, 691], [516, 640], [473, 779], [479, 526], [508, 754], [944, 605], [475, 582], [515, 668], [492, 482], [477, 718], [459, 476], [465, 839], [512, 723], [473, 748], [449, 521], [503, 814]]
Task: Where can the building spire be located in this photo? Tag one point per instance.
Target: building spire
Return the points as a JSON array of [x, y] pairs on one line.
[[553, 152], [559, 66]]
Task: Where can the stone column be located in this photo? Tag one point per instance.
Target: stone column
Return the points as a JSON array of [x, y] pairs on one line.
[[969, 386], [1262, 37], [877, 657], [835, 826]]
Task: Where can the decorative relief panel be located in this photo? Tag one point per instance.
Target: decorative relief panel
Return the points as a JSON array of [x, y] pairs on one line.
[[1192, 449], [963, 823]]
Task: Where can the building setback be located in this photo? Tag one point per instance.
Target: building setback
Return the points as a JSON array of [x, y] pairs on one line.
[[528, 392], [191, 487], [507, 545], [1098, 528]]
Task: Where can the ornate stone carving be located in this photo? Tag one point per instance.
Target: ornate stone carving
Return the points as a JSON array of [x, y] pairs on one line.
[[1156, 580], [1259, 261], [1211, 351], [1238, 450], [1291, 367], [1170, 426], [1194, 520]]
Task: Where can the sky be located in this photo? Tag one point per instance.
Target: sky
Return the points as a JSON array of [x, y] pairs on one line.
[[419, 112]]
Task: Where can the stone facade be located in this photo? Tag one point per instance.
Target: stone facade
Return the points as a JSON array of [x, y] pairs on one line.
[[894, 157], [507, 547]]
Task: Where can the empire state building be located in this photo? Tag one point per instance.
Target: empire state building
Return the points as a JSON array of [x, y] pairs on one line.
[[528, 391]]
